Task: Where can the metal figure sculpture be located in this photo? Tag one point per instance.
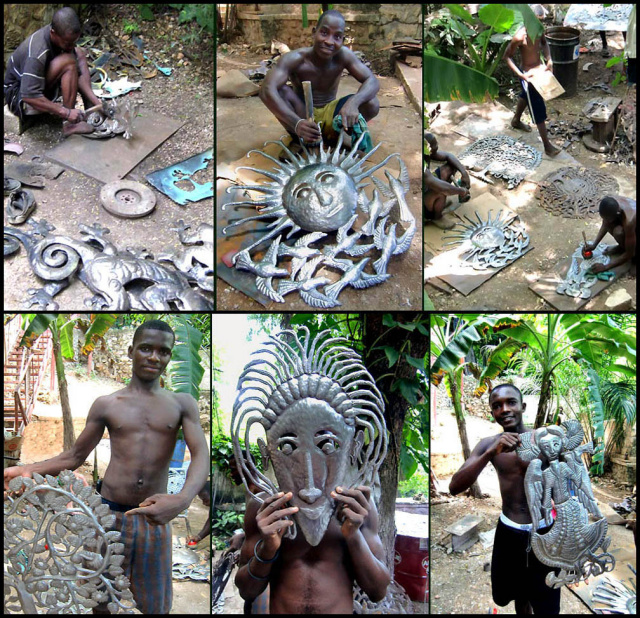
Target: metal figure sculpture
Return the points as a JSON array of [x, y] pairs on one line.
[[572, 541], [119, 280], [575, 192], [320, 192], [503, 157], [579, 280], [60, 554], [196, 259], [491, 243], [323, 418]]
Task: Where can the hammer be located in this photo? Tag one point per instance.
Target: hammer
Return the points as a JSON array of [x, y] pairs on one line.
[[104, 108], [586, 254], [308, 101]]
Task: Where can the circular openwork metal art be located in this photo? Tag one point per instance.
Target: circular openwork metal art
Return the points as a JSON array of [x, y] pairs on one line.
[[575, 192], [319, 192], [501, 156], [491, 243], [579, 280]]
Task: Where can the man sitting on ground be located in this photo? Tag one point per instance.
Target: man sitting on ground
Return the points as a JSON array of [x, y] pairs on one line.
[[618, 215], [441, 183], [48, 66], [530, 52], [322, 65]]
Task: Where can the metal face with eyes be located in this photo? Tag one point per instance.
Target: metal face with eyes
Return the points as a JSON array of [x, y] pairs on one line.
[[320, 197]]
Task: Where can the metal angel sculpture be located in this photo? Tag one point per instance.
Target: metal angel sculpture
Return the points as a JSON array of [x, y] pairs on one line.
[[563, 483], [319, 192], [59, 552], [323, 418]]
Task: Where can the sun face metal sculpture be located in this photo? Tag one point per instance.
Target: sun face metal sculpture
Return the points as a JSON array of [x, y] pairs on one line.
[[572, 542], [59, 552], [323, 418], [575, 192], [579, 280], [319, 192], [120, 280], [503, 157], [491, 243]]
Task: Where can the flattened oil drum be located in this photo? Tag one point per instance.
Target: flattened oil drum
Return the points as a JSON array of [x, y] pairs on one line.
[[564, 45]]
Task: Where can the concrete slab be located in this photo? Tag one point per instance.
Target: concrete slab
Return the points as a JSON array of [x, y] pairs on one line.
[[411, 79]]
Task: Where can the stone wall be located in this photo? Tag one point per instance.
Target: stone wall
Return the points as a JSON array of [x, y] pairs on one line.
[[370, 26]]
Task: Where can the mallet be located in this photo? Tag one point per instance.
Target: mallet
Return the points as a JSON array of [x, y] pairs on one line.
[[586, 254], [104, 108]]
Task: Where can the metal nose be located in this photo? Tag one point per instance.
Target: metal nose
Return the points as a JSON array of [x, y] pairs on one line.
[[323, 197], [310, 495]]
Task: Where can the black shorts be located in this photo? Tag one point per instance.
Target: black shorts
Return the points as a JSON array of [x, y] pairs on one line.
[[518, 575], [537, 108]]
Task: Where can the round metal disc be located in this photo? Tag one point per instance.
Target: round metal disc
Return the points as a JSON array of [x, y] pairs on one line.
[[127, 199]]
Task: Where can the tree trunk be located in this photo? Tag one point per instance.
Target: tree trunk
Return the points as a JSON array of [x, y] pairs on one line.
[[456, 397], [545, 400], [375, 333], [69, 437]]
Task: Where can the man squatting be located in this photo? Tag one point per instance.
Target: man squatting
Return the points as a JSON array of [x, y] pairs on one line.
[[516, 574], [48, 65], [143, 420]]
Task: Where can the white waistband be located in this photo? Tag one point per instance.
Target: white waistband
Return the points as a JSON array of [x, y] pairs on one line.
[[512, 524]]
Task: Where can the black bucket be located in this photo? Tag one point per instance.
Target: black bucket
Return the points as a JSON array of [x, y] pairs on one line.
[[564, 44]]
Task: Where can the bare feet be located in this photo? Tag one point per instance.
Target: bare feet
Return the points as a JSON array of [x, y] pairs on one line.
[[521, 125], [551, 150], [79, 127]]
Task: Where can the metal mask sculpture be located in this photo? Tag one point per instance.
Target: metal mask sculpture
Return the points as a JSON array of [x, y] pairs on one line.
[[323, 418], [320, 192], [579, 279], [491, 243], [60, 554], [119, 280], [503, 157], [572, 541], [575, 192]]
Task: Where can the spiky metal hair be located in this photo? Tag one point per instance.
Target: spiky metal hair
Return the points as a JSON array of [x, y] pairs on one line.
[[321, 367]]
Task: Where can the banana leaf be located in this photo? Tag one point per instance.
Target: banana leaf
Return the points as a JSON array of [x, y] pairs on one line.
[[186, 371], [66, 337], [534, 27], [448, 80], [100, 324], [497, 16], [455, 351], [496, 363], [34, 328]]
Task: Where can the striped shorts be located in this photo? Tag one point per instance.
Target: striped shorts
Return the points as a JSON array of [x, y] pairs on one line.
[[147, 561]]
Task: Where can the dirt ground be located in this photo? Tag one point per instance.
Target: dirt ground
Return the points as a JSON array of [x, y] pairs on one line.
[[43, 439], [461, 582], [73, 198], [244, 124], [553, 238]]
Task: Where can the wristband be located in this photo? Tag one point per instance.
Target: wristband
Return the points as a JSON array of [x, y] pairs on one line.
[[255, 553], [260, 579], [295, 130]]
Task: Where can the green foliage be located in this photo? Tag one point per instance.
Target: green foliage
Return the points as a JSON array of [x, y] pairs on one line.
[[203, 14], [186, 370], [222, 453], [225, 523], [130, 27], [146, 12], [417, 484]]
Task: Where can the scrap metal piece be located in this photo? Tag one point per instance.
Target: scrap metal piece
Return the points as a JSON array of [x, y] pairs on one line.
[[578, 281], [572, 542], [491, 243], [127, 199], [120, 280], [168, 179], [59, 549], [575, 192], [617, 597], [22, 203], [503, 157], [319, 191], [313, 397]]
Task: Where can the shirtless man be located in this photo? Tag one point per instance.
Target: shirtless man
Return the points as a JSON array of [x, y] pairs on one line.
[[322, 65], [143, 421], [439, 184], [516, 574], [618, 215], [48, 64], [530, 52]]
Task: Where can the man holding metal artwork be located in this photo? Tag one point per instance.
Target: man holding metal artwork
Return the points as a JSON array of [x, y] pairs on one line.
[[322, 65], [325, 438], [143, 420], [530, 61], [516, 573]]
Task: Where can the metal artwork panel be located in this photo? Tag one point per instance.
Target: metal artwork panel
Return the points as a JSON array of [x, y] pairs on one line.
[[322, 414], [617, 597], [579, 280], [575, 192], [572, 542], [491, 243], [503, 157], [60, 555], [319, 192], [120, 280]]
